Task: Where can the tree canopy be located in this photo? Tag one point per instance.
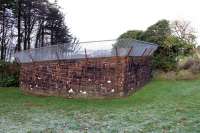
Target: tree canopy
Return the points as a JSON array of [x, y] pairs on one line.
[[133, 34], [27, 24]]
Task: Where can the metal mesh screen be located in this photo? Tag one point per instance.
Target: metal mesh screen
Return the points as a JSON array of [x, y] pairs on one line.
[[59, 52]]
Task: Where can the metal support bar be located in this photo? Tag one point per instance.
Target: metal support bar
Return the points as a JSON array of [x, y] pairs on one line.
[[57, 56], [149, 53], [116, 51], [144, 52], [86, 54], [129, 51], [17, 59], [29, 54]]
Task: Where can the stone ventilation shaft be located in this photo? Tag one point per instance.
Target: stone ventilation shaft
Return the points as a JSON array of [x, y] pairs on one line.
[[54, 71]]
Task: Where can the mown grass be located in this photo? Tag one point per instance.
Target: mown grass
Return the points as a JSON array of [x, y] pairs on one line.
[[161, 106]]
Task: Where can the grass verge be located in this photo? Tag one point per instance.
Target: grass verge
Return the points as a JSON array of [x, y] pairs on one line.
[[161, 106]]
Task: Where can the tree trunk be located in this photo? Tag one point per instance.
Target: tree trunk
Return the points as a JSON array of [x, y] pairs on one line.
[[3, 36], [18, 47], [29, 25], [38, 35], [42, 44], [25, 33]]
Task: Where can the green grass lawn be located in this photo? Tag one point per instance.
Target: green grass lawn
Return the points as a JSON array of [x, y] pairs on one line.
[[161, 106]]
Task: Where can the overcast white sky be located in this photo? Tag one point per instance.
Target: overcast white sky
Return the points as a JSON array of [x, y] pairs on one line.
[[107, 19]]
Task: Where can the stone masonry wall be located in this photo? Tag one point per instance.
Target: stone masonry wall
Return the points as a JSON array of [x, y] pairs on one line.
[[95, 78]]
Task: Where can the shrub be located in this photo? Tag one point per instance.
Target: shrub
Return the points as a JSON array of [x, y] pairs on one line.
[[164, 63], [9, 74], [192, 64], [186, 75], [172, 75], [9, 81], [161, 75], [187, 68], [188, 63], [195, 68]]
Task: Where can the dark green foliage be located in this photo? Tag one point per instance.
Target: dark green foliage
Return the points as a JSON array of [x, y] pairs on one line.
[[157, 33], [9, 74], [166, 63], [133, 34], [9, 81], [123, 40], [59, 32], [165, 56]]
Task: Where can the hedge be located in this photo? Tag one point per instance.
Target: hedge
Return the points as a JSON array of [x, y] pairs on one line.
[[9, 74]]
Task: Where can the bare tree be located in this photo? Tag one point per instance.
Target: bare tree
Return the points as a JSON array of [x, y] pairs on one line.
[[184, 31]]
